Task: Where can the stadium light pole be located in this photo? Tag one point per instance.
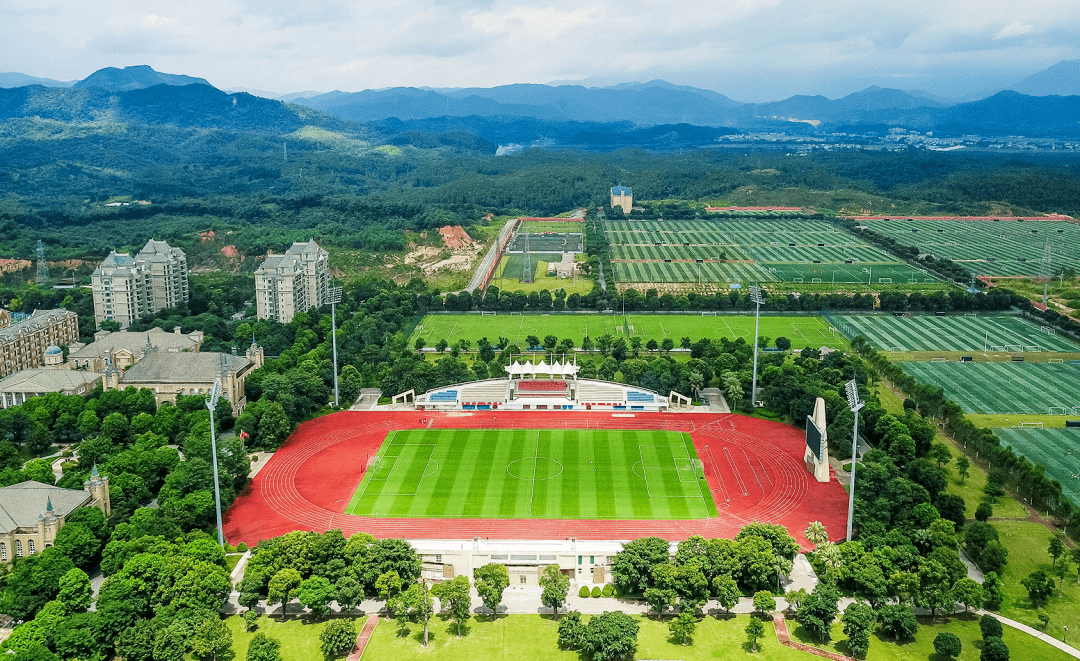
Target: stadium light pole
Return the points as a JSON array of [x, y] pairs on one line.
[[758, 299], [335, 298], [211, 403], [852, 388]]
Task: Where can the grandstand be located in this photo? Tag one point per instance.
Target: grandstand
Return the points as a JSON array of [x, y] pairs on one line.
[[541, 386]]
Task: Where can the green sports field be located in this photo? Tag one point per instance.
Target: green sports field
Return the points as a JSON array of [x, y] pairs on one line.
[[529, 473], [802, 331], [1000, 333], [1057, 449], [999, 387]]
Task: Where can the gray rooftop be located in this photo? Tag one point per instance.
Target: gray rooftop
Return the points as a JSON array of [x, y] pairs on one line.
[[299, 251], [21, 504], [134, 342], [161, 367], [45, 380], [34, 322]]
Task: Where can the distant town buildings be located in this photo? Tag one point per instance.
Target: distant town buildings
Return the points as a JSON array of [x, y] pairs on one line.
[[293, 282], [169, 374], [23, 344], [622, 196], [32, 513], [126, 287]]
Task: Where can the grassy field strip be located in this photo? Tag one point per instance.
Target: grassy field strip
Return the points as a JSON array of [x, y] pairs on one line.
[[1003, 387], [535, 474], [929, 333], [1049, 447], [802, 331]]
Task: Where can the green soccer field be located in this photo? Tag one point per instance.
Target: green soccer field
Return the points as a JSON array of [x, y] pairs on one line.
[[1001, 333], [529, 473], [1000, 387], [802, 331], [1057, 449]]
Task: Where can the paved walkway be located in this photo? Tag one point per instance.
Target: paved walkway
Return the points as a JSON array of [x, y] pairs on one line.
[[363, 638], [782, 636], [1049, 640]]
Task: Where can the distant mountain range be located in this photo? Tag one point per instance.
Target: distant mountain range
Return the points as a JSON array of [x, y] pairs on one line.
[[1062, 79], [654, 114]]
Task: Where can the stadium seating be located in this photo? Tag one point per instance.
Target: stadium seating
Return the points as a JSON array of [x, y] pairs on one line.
[[444, 396], [647, 397], [595, 392], [484, 392], [541, 387]]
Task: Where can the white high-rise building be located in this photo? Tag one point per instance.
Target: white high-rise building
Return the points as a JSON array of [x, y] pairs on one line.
[[126, 287], [293, 282]]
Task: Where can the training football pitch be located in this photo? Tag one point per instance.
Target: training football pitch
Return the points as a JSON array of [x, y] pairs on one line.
[[1054, 448], [929, 333], [802, 331], [1003, 387], [529, 473]]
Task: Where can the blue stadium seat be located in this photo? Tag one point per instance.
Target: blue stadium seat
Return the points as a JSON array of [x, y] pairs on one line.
[[444, 396], [632, 396]]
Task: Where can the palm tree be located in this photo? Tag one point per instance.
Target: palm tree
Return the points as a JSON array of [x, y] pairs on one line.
[[815, 533]]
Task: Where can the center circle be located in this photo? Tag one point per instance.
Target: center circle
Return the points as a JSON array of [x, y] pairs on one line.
[[526, 469]]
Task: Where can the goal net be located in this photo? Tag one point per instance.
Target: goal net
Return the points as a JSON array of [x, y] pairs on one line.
[[884, 281], [1060, 361], [708, 314], [939, 360], [1048, 330], [488, 313], [1030, 424], [815, 280], [1059, 410]]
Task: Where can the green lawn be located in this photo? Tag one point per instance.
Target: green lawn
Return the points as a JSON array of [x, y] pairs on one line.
[[802, 331], [1021, 646], [528, 473], [529, 637], [1027, 544], [972, 489]]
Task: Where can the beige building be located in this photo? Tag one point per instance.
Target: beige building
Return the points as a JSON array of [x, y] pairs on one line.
[[31, 513], [172, 374], [126, 288], [121, 349], [23, 343], [293, 282], [622, 196], [24, 384]]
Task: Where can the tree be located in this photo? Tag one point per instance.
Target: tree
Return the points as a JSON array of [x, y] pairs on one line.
[[211, 638], [898, 621], [858, 620], [968, 592], [136, 643], [962, 467], [387, 585], [990, 627], [819, 610], [571, 631], [994, 649], [75, 591], [555, 585], [755, 631], [338, 638], [420, 604], [274, 425], [984, 511], [282, 588], [796, 598], [251, 619], [940, 453], [455, 595], [947, 645], [682, 627], [1039, 586], [633, 565], [764, 602], [934, 583], [1056, 549], [263, 648], [78, 542], [816, 534], [316, 593], [612, 635], [726, 590], [783, 343], [1044, 618], [491, 581], [993, 591], [348, 593]]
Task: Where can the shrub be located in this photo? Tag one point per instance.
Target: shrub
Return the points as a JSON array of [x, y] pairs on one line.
[[984, 511], [608, 591], [583, 592], [989, 627], [241, 547], [615, 591], [251, 619], [596, 592], [994, 649], [947, 645]]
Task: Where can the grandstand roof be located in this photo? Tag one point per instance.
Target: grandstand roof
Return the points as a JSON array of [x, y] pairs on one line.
[[556, 368]]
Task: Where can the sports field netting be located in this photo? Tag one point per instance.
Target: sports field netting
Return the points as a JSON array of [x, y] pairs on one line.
[[989, 247], [755, 251], [528, 473], [563, 227], [1057, 449], [547, 242], [930, 333], [802, 331], [1003, 387]]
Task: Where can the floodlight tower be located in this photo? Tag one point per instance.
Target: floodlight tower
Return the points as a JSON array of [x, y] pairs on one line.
[[335, 298], [852, 388], [758, 299], [211, 403]]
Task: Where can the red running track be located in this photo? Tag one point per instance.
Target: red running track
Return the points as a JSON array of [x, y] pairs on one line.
[[754, 469]]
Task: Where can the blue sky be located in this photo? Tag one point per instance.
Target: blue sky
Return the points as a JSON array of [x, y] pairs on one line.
[[751, 50]]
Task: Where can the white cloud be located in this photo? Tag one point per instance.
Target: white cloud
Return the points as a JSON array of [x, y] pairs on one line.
[[1014, 29]]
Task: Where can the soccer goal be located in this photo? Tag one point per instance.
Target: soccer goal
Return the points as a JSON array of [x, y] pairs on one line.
[[971, 314], [1025, 425], [708, 314], [997, 347], [512, 314], [1059, 361], [1048, 330], [1059, 410], [884, 281], [1033, 349], [1014, 348], [815, 280], [939, 360], [797, 281], [488, 313]]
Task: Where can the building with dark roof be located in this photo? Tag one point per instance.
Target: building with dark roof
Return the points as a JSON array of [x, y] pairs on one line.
[[120, 349], [292, 282], [32, 513], [622, 196], [126, 287]]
